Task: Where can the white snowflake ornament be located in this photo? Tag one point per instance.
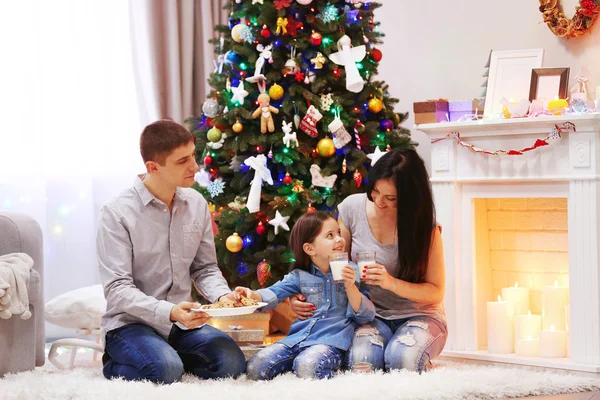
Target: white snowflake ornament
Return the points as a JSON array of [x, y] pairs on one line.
[[216, 188], [326, 101]]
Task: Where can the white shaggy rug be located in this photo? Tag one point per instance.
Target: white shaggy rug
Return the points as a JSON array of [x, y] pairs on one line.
[[447, 382]]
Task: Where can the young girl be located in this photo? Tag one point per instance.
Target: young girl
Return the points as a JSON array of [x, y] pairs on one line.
[[315, 347]]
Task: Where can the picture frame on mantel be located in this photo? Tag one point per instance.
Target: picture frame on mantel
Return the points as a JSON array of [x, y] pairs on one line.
[[549, 83], [510, 77]]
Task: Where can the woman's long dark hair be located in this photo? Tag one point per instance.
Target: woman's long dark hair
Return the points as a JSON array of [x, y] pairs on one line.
[[415, 209], [305, 230]]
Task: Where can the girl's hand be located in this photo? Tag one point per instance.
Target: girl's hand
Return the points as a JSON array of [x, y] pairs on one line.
[[377, 275], [349, 276], [244, 291], [299, 305]]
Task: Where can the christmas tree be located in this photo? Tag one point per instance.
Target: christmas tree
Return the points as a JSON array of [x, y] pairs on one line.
[[293, 123]]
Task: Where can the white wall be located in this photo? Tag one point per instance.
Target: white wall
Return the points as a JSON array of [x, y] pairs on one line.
[[438, 49]]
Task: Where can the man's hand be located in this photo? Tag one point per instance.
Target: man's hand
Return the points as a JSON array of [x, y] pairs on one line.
[[190, 319], [299, 305]]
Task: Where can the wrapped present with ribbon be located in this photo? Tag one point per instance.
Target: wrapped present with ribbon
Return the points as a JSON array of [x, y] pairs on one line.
[[245, 337], [465, 110], [431, 111]]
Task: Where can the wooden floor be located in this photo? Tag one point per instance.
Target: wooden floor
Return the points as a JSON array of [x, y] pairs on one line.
[[574, 396]]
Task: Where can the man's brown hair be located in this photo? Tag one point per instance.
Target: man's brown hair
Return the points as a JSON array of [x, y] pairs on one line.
[[160, 138]]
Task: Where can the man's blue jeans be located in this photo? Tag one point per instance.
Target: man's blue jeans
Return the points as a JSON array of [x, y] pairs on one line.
[[137, 352]]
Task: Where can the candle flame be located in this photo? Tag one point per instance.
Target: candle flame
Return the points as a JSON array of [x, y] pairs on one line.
[[517, 284], [529, 312], [555, 283], [499, 299], [552, 328]]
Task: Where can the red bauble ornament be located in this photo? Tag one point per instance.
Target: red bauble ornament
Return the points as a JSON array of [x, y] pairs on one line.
[[311, 209], [337, 73], [208, 160], [316, 39], [260, 229], [243, 74], [265, 32], [287, 179], [263, 271], [357, 178], [376, 55]]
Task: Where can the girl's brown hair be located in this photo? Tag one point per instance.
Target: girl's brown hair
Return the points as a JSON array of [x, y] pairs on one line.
[[305, 230]]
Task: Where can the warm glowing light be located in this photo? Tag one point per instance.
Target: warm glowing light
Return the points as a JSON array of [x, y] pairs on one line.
[[499, 299], [517, 284]]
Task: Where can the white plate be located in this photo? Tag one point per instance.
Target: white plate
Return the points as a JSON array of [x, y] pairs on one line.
[[226, 312]]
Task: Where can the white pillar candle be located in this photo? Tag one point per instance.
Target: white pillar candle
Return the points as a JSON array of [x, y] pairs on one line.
[[527, 347], [519, 296], [527, 326], [554, 300], [567, 328], [553, 343], [500, 326]]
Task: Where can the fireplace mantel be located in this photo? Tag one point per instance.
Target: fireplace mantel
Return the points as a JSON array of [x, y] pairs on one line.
[[568, 168]]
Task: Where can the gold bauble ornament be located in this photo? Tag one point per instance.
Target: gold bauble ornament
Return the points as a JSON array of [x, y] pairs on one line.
[[375, 105], [325, 147], [234, 243], [275, 92], [236, 32], [237, 127]]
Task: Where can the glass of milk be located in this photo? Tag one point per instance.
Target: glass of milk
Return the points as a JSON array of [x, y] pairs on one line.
[[337, 262], [365, 260]]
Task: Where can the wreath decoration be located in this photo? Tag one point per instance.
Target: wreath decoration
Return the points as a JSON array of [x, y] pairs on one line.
[[561, 26]]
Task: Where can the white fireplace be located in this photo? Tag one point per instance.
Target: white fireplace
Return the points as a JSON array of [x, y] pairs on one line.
[[555, 187]]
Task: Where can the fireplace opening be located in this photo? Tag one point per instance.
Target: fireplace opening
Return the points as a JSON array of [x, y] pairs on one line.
[[521, 264]]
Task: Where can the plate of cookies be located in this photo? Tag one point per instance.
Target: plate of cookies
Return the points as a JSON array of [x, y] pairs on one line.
[[226, 307]]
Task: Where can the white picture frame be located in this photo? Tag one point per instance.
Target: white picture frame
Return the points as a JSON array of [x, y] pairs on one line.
[[510, 77]]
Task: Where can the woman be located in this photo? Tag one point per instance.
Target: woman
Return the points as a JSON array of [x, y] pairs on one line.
[[396, 219]]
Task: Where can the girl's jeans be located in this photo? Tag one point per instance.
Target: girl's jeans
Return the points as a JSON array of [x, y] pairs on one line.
[[318, 361], [397, 344]]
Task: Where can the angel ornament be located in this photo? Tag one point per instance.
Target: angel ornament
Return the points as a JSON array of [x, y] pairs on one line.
[[265, 55], [265, 110], [348, 56], [289, 137], [320, 180]]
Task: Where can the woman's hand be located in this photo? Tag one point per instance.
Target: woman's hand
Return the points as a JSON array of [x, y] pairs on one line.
[[377, 275], [349, 276], [299, 305]]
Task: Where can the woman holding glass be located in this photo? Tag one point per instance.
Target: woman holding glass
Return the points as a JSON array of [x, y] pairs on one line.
[[395, 219]]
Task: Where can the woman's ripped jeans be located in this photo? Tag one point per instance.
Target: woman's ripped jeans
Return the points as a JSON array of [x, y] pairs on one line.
[[397, 344]]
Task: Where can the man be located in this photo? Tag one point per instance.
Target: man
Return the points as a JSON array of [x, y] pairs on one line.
[[154, 240]]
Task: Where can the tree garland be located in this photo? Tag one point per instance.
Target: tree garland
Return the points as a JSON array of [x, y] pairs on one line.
[[561, 26]]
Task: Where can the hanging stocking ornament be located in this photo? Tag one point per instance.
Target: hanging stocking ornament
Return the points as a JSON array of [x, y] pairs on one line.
[[309, 122], [263, 272], [341, 137]]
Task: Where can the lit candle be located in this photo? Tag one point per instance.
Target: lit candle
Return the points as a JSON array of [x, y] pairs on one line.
[[519, 296], [558, 106], [527, 326], [500, 326], [554, 300], [527, 347], [553, 343]]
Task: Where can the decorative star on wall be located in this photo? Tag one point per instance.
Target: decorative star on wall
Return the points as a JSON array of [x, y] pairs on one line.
[[375, 156], [279, 222]]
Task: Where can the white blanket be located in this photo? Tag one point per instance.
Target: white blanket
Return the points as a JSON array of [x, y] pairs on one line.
[[15, 271]]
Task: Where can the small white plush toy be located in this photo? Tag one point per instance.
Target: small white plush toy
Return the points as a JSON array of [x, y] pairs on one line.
[[289, 138]]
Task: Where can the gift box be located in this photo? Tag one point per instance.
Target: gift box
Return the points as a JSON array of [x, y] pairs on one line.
[[246, 337], [458, 109], [431, 111], [258, 320]]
